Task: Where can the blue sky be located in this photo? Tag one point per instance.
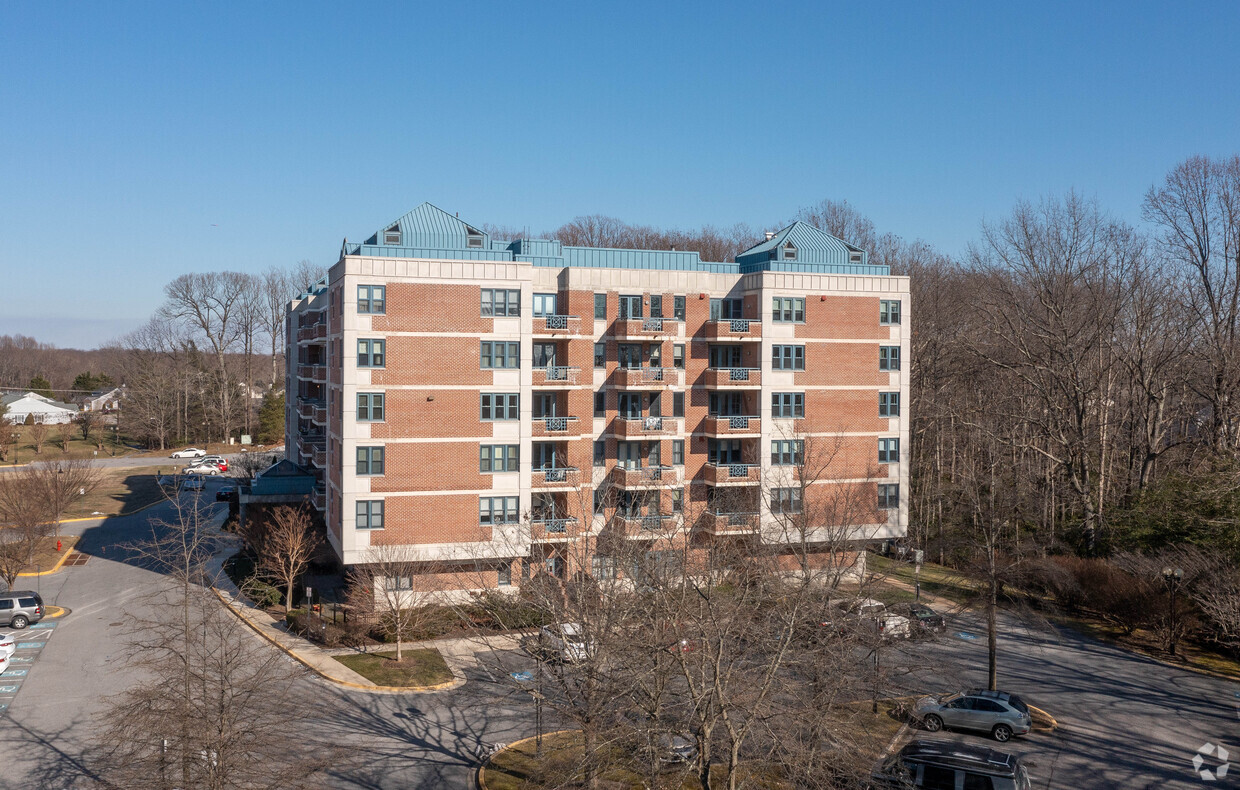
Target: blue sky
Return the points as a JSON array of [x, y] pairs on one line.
[[139, 141]]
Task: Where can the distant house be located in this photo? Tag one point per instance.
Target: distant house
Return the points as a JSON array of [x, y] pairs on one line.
[[45, 410], [103, 400]]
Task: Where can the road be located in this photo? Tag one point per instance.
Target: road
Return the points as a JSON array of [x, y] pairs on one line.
[[1126, 721]]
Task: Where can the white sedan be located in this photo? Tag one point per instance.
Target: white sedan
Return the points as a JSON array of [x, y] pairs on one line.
[[189, 452], [203, 469], [8, 645]]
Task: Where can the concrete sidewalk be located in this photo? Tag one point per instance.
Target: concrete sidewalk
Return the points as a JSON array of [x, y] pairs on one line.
[[458, 654]]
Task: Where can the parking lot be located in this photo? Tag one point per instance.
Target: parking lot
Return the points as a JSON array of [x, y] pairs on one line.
[[30, 644]]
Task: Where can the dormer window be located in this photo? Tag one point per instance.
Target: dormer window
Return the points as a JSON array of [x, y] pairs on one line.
[[391, 236], [790, 252], [854, 257], [474, 239]]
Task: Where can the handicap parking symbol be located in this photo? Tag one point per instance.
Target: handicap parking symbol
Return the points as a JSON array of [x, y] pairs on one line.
[[42, 625], [522, 676], [13, 673], [9, 689], [965, 635], [22, 660], [29, 645]]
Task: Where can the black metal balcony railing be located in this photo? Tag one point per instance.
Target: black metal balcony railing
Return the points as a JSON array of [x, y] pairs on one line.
[[556, 424], [554, 525], [738, 470], [736, 423], [557, 373], [556, 474]]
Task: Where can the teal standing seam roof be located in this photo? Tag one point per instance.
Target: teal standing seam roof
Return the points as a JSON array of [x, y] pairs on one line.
[[429, 232]]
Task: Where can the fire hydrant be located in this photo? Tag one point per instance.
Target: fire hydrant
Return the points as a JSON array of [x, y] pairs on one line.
[[57, 545]]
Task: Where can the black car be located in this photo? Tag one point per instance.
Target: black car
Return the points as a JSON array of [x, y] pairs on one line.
[[924, 619], [226, 494]]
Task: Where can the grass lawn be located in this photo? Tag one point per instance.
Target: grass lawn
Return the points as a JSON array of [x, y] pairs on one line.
[[422, 667], [935, 579], [23, 452], [120, 491], [521, 768]]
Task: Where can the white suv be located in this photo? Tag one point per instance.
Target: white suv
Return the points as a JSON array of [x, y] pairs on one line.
[[888, 624]]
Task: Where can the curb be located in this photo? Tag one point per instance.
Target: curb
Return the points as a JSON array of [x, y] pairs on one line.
[[1048, 721], [374, 689], [112, 515], [480, 774]]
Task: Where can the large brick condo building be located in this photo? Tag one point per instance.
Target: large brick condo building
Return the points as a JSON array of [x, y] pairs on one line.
[[501, 406]]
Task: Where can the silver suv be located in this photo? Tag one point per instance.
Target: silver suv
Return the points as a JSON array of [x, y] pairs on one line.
[[996, 712], [20, 608]]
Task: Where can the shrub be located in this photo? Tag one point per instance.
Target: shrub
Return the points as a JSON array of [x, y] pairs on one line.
[[262, 593]]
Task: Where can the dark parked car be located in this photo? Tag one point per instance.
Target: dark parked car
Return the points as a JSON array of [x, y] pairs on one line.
[[924, 619], [226, 494], [946, 764]]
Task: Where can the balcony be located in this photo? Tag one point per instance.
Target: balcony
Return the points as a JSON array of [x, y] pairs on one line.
[[551, 528], [315, 372], [641, 525], [734, 329], [732, 378], [640, 427], [312, 332], [555, 426], [644, 476], [732, 474], [639, 378], [645, 328], [306, 407], [318, 498], [730, 523], [732, 425], [319, 456], [556, 325], [560, 477], [553, 376]]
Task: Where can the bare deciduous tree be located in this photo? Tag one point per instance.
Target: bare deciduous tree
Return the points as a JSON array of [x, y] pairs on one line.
[[285, 543], [36, 434]]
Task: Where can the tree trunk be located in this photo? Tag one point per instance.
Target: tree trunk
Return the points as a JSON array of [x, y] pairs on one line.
[[992, 653]]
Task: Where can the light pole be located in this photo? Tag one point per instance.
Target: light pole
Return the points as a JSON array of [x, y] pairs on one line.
[[1172, 577]]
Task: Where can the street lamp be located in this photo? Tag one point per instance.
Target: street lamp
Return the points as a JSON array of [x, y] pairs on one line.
[[1171, 577]]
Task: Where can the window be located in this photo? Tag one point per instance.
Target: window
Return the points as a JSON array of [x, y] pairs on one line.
[[678, 308], [600, 307], [502, 406], [656, 305], [497, 510], [500, 302], [678, 500], [889, 451], [503, 575], [889, 311], [726, 404], [888, 496], [370, 299], [600, 404], [788, 310], [787, 452], [678, 452], [787, 404], [725, 356], [631, 306], [629, 355], [724, 309], [600, 355], [370, 460], [785, 500], [629, 404], [370, 353], [678, 404], [392, 235], [678, 356], [370, 514], [788, 357], [629, 454], [474, 238], [544, 305], [600, 500], [600, 452], [936, 777], [499, 457], [888, 357], [370, 407], [497, 354], [544, 355], [888, 404], [790, 252], [722, 452], [396, 583], [602, 567], [978, 782]]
